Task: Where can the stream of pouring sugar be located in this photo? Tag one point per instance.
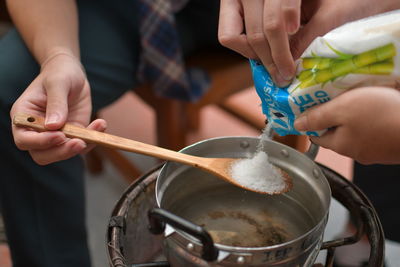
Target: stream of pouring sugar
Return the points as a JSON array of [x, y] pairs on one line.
[[264, 137], [257, 172]]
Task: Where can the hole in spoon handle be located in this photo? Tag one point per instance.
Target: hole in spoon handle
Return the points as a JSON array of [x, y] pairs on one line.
[[38, 123], [25, 120]]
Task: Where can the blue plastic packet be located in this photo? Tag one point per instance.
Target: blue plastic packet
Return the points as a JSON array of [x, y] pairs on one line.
[[275, 102], [357, 54]]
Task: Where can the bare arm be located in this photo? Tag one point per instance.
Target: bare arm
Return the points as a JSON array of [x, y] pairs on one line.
[[61, 91], [48, 27]]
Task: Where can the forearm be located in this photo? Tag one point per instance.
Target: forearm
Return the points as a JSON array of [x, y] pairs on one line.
[[48, 27]]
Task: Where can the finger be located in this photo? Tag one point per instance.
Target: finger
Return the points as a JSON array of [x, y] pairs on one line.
[[26, 139], [291, 13], [68, 149], [64, 151], [335, 139], [231, 28], [97, 125], [253, 13], [57, 102], [327, 140], [317, 26], [319, 118], [275, 31]]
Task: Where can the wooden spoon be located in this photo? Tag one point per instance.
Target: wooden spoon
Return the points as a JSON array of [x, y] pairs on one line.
[[220, 167]]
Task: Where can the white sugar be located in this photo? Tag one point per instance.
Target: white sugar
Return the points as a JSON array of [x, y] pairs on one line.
[[258, 173], [264, 137]]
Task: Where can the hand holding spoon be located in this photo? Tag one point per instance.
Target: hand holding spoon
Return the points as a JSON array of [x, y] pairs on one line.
[[220, 167]]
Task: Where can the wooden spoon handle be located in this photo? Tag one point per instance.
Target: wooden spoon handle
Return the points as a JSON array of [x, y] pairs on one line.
[[104, 139]]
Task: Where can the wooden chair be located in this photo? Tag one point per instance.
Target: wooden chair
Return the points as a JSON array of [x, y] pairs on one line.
[[229, 74]]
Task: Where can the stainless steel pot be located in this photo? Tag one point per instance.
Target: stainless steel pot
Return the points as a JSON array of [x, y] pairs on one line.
[[212, 223]]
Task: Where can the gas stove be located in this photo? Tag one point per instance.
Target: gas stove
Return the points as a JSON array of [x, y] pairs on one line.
[[130, 242]]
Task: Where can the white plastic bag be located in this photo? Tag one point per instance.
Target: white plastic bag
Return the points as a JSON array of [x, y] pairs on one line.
[[360, 53]]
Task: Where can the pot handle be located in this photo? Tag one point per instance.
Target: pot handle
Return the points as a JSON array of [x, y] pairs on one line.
[[159, 217], [311, 152]]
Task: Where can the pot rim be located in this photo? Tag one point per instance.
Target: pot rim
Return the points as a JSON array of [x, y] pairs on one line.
[[186, 236]]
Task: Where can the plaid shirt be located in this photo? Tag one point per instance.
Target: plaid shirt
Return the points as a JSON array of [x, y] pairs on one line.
[[161, 62]]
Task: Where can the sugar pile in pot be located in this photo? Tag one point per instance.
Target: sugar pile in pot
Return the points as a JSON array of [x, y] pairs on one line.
[[258, 173]]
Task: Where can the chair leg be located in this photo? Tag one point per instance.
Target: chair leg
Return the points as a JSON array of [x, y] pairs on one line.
[[303, 143], [193, 118], [94, 161], [171, 130], [298, 142], [241, 113], [125, 167]]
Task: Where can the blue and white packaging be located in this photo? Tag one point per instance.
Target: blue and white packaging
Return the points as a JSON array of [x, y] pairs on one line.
[[360, 53]]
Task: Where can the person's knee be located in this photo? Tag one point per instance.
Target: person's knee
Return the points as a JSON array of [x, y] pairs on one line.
[[17, 67]]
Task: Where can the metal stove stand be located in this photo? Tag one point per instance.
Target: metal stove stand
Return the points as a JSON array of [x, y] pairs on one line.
[[360, 208]]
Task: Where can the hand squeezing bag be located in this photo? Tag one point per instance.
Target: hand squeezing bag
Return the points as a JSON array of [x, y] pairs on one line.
[[359, 53]]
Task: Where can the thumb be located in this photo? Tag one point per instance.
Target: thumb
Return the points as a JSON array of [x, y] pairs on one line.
[[318, 118], [57, 104]]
